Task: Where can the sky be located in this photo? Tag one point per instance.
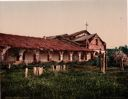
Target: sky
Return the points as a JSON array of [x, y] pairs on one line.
[[107, 18]]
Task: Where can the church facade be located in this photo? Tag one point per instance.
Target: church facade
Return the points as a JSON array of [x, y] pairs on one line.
[[79, 46]]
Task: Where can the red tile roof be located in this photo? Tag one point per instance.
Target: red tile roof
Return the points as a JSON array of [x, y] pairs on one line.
[[36, 43]]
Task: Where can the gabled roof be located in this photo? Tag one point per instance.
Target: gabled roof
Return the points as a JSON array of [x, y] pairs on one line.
[[53, 37], [86, 37], [80, 32], [36, 43]]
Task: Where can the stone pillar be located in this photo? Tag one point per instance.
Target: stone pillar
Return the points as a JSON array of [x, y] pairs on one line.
[[37, 55], [49, 56], [26, 72], [104, 63], [9, 66], [21, 53], [100, 57], [71, 56], [64, 67], [3, 52], [58, 67], [34, 71], [122, 64], [79, 55], [53, 68], [38, 71], [61, 55]]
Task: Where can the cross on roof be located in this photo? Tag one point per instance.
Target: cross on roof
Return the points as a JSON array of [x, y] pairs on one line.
[[86, 25]]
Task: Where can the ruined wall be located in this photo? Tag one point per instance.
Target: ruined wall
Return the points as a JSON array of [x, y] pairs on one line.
[[43, 56], [66, 56], [29, 57], [75, 56], [55, 56], [10, 56], [96, 44]]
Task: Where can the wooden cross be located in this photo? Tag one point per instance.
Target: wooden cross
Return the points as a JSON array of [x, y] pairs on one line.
[[86, 25]]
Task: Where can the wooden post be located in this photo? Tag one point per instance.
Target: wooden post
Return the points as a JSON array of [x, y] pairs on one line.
[[26, 72]]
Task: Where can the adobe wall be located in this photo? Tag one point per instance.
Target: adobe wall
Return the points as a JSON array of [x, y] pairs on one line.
[[97, 46], [55, 56], [29, 56], [43, 56], [66, 56]]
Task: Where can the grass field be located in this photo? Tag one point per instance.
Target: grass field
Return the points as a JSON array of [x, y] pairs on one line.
[[76, 83]]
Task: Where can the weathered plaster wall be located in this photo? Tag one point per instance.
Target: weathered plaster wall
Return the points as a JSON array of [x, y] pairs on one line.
[[43, 56], [55, 56], [29, 57], [66, 56], [95, 46]]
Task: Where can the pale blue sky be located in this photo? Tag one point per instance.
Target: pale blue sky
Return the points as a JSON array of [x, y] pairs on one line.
[[108, 18]]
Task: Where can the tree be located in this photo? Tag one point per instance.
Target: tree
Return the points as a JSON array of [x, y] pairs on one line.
[[120, 57], [124, 49]]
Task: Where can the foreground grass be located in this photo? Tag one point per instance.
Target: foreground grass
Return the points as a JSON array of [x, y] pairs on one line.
[[64, 85]]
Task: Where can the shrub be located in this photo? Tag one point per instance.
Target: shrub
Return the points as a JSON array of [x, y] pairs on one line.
[[64, 85]]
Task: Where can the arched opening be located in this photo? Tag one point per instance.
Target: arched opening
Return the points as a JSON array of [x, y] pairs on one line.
[[55, 56], [11, 55], [66, 56], [29, 56], [75, 56], [44, 56]]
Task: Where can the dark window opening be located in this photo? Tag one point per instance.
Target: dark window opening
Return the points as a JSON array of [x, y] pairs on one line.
[[96, 41]]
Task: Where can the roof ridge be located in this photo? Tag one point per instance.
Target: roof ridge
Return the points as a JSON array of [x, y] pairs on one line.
[[79, 32], [21, 36], [17, 41]]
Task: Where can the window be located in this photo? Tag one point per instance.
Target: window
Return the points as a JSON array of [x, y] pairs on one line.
[[96, 41]]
